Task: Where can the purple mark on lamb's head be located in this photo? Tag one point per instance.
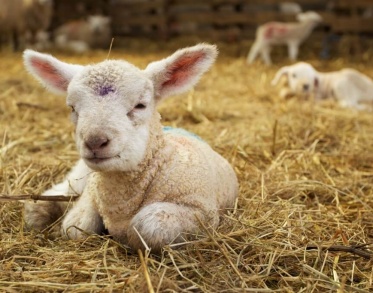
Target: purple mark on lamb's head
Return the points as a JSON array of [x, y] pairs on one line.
[[105, 90]]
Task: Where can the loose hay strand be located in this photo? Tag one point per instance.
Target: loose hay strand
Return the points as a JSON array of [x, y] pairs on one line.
[[36, 197], [146, 273], [111, 45]]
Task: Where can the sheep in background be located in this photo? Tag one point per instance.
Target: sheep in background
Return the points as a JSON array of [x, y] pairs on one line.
[[11, 21], [348, 86], [23, 20], [150, 184], [82, 35], [277, 33], [290, 8], [37, 16]]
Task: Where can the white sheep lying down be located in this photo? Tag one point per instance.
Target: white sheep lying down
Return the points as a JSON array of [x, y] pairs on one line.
[[137, 180], [82, 35], [348, 86]]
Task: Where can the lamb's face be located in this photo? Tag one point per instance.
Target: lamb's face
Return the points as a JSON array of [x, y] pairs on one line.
[[309, 16], [98, 23], [112, 105], [302, 78], [113, 102]]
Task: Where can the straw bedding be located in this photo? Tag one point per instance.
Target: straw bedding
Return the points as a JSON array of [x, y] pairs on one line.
[[304, 217]]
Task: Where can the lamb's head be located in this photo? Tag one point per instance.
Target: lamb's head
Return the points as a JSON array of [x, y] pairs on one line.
[[302, 78], [114, 103], [112, 107], [98, 23], [309, 16]]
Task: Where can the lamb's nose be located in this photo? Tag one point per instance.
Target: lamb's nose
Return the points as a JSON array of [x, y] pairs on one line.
[[306, 87], [95, 143]]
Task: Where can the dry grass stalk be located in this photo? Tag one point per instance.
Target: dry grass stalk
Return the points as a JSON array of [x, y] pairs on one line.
[[306, 181], [36, 197]]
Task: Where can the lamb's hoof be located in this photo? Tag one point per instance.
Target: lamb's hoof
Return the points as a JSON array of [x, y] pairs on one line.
[[39, 215]]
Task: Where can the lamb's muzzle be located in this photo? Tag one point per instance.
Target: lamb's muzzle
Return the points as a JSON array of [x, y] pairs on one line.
[[151, 184], [96, 143]]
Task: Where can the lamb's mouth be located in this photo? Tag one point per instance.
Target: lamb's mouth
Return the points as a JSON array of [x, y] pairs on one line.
[[99, 160]]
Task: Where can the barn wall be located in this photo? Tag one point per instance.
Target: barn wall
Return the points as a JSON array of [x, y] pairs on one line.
[[223, 19]]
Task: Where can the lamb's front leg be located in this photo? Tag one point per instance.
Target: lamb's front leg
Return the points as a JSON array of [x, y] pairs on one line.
[[266, 54], [286, 93], [254, 51], [83, 219], [163, 223], [293, 48], [39, 215]]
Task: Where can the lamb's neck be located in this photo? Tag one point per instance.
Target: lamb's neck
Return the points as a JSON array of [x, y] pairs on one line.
[[307, 27], [323, 88]]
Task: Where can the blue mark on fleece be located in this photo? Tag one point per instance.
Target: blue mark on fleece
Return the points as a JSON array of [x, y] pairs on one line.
[[181, 131]]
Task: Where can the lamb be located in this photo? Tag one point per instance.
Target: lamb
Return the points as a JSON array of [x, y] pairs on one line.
[[290, 8], [11, 21], [147, 185], [22, 18], [38, 16], [348, 86], [82, 35], [278, 33]]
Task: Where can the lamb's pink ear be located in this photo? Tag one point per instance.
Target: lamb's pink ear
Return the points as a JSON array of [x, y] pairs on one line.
[[54, 74], [182, 70], [283, 71]]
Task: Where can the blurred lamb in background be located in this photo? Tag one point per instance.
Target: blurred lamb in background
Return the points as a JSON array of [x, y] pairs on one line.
[[24, 22], [348, 86], [290, 8], [291, 34], [82, 35]]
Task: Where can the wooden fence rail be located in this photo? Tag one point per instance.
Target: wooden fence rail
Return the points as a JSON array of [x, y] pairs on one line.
[[168, 18]]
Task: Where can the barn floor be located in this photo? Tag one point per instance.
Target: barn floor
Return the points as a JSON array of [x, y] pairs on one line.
[[304, 217]]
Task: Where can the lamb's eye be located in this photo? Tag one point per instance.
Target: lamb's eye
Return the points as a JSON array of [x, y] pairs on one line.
[[74, 115], [136, 110], [294, 75], [140, 106]]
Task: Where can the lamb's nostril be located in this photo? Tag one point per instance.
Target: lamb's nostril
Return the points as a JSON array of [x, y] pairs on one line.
[[97, 142], [104, 144], [306, 87]]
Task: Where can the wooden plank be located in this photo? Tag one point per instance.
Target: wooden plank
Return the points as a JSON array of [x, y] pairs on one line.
[[230, 17], [267, 16], [140, 20], [353, 3], [266, 2], [137, 6], [157, 13], [352, 25]]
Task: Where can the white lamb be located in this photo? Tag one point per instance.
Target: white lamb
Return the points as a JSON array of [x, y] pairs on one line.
[[348, 86], [82, 35], [279, 33], [148, 183], [290, 8]]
